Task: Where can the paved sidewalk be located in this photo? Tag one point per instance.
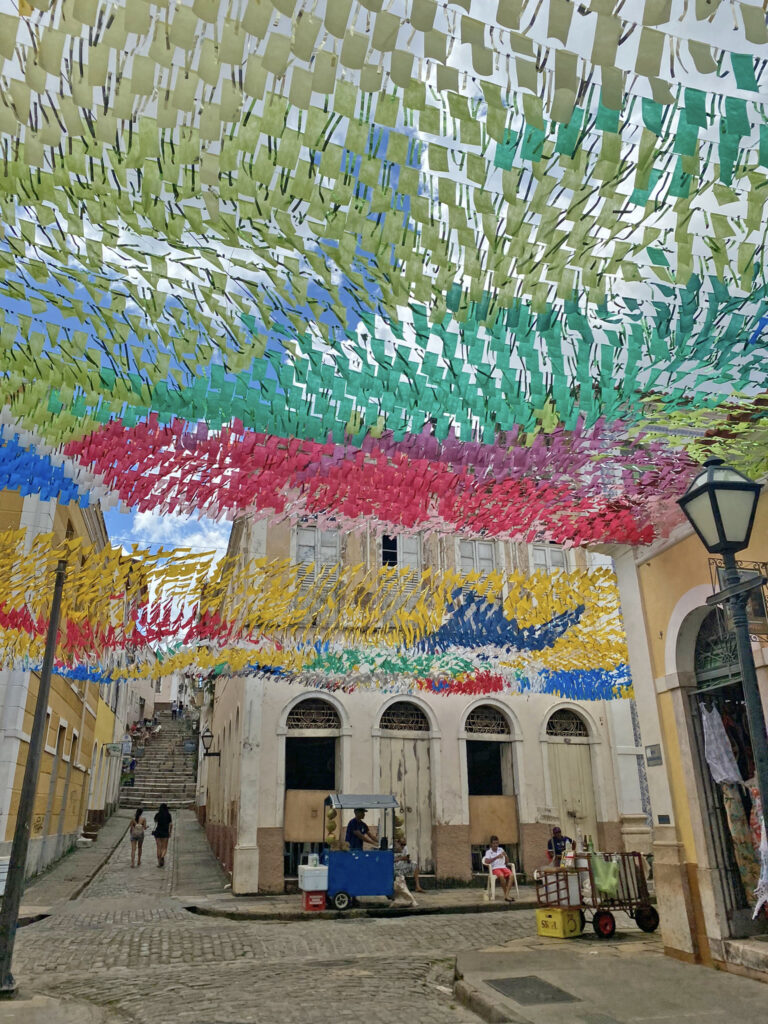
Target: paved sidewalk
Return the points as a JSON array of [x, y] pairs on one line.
[[66, 879], [622, 981], [289, 907], [195, 878]]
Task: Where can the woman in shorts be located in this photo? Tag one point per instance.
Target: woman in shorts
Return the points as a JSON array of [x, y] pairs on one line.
[[136, 830]]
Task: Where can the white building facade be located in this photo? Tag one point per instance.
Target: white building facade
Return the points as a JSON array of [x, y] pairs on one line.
[[462, 767]]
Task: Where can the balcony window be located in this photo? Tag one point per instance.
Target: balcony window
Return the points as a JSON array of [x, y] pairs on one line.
[[317, 547], [550, 558], [477, 556], [403, 552]]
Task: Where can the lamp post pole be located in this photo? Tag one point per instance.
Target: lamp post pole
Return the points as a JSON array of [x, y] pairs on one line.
[[752, 699], [14, 885]]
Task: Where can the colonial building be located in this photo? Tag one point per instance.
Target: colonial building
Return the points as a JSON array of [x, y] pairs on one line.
[[80, 770], [463, 767], [687, 679]]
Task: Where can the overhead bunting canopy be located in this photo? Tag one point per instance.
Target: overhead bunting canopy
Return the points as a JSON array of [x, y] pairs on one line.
[[493, 267], [324, 221], [145, 615]]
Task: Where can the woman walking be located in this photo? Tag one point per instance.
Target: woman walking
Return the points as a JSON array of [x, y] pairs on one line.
[[162, 832], [136, 830]]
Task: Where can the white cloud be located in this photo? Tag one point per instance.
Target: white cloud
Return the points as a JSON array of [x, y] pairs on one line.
[[150, 530]]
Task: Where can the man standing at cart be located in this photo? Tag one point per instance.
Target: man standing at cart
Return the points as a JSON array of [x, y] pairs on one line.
[[358, 833], [557, 845]]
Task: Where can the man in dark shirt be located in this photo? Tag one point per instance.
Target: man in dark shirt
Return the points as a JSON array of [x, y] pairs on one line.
[[556, 846], [358, 832]]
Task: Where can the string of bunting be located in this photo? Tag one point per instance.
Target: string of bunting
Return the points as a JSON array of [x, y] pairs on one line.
[[487, 268], [345, 623]]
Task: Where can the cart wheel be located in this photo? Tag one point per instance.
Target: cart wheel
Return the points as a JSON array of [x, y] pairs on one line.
[[582, 920], [341, 900], [647, 918], [604, 924]]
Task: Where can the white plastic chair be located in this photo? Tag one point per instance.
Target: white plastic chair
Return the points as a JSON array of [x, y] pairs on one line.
[[490, 891]]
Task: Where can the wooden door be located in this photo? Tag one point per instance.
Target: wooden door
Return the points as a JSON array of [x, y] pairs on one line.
[[406, 772], [573, 794]]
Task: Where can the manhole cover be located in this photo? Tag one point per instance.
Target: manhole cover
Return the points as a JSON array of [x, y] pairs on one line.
[[531, 991]]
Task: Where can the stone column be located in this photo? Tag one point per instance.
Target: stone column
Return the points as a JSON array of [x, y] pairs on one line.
[[678, 901], [245, 869]]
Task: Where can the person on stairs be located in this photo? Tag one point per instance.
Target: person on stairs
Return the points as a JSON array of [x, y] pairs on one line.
[[162, 832], [136, 830]]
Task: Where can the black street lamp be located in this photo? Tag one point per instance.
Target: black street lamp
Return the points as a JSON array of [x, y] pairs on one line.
[[206, 738], [720, 505]]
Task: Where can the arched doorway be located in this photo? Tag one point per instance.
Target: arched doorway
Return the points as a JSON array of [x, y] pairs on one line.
[[720, 729], [405, 769], [491, 782], [311, 773], [570, 773]]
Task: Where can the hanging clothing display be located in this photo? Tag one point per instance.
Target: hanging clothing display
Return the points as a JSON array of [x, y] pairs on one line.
[[717, 748], [741, 837], [756, 817], [734, 722], [761, 893]]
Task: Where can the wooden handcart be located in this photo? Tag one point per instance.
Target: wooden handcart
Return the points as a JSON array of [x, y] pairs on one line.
[[597, 885]]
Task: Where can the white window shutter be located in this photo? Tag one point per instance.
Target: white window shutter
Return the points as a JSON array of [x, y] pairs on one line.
[[558, 557], [486, 556], [467, 555], [409, 552], [306, 541], [328, 553], [540, 557]]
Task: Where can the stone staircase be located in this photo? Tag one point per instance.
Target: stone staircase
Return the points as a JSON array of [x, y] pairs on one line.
[[166, 772]]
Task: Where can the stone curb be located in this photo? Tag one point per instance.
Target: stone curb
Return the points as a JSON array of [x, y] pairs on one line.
[[26, 919], [481, 1003], [84, 885], [336, 915]]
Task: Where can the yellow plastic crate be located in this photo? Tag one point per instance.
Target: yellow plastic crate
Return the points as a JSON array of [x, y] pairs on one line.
[[558, 922]]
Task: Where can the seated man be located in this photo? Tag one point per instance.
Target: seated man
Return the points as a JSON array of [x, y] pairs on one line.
[[358, 832], [497, 860]]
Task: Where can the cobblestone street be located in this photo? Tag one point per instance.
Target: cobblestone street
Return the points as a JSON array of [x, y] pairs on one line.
[[127, 944], [121, 946]]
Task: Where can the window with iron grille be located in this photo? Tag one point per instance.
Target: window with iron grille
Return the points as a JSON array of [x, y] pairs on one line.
[[313, 713], [403, 716], [487, 719], [716, 656], [566, 723]]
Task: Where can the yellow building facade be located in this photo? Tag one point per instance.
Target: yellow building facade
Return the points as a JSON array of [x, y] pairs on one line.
[[688, 687], [79, 723]]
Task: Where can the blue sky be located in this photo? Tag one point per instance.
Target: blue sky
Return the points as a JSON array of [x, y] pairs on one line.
[[150, 530]]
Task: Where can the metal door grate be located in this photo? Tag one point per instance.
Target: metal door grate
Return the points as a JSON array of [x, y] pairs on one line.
[[719, 833]]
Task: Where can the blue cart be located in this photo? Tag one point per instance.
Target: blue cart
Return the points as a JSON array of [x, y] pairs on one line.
[[353, 873]]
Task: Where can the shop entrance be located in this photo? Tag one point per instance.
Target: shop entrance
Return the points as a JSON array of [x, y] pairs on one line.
[[724, 757], [491, 783], [311, 773]]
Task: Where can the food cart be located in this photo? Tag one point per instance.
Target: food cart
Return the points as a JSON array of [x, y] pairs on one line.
[[596, 884], [366, 872]]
